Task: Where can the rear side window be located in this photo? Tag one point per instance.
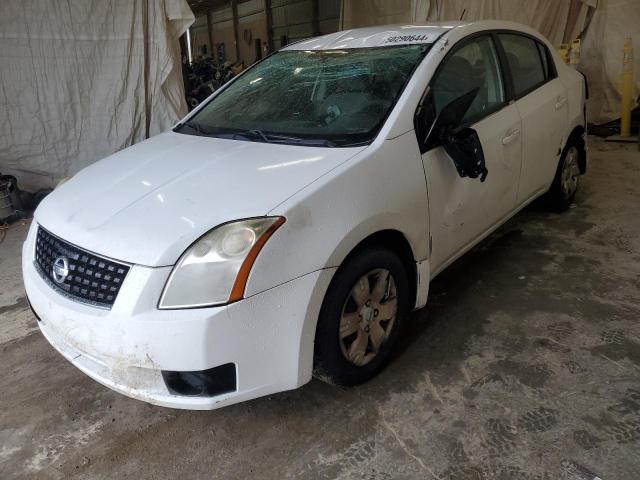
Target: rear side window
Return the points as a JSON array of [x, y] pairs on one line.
[[472, 66], [547, 62], [525, 62]]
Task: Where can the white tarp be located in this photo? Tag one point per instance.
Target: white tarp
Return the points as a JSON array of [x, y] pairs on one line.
[[559, 20], [549, 17], [82, 79], [602, 54]]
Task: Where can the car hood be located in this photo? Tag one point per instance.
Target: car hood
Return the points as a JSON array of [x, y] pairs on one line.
[[146, 204]]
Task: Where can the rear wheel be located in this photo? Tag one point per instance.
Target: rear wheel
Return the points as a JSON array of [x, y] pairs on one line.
[[565, 184], [360, 317]]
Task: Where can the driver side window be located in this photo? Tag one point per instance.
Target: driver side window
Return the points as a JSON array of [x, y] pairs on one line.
[[472, 66]]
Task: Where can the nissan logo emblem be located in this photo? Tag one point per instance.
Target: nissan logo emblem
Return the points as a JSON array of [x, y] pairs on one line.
[[60, 269]]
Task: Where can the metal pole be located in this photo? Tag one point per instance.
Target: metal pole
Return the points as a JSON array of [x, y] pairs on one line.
[[210, 29], [315, 14], [626, 103], [234, 12], [269, 18]]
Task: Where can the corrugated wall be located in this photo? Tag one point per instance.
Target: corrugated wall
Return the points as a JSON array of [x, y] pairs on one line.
[[252, 26], [200, 36], [293, 19], [222, 33]]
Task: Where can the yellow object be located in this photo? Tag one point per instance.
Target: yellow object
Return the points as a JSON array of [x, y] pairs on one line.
[[563, 50], [627, 89]]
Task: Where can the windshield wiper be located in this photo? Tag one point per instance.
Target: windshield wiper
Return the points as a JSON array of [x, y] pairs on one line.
[[300, 140], [260, 136], [320, 142], [277, 138], [193, 126], [253, 134]]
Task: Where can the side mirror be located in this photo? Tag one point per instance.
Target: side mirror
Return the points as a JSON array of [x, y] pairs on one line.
[[462, 144], [450, 117], [465, 149]]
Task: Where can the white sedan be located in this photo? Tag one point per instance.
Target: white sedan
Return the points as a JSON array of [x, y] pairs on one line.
[[288, 225]]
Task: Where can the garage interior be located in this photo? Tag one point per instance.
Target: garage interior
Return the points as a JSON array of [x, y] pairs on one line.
[[524, 365]]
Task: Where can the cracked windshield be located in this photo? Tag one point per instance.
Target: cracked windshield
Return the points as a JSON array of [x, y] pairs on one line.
[[325, 98]]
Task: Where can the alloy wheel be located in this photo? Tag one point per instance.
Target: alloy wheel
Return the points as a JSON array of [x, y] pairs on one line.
[[368, 316], [570, 173]]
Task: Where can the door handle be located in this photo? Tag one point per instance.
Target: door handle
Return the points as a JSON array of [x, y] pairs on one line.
[[511, 137], [560, 102]]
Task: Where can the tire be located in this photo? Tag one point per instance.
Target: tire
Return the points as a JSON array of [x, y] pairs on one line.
[[565, 183], [351, 317]]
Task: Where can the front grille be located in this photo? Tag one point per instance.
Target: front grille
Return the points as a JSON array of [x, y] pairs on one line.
[[80, 275]]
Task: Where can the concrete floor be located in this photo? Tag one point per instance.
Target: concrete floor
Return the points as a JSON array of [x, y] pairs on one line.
[[525, 365]]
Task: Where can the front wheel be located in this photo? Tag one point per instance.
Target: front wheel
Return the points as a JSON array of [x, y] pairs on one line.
[[565, 184], [360, 317]]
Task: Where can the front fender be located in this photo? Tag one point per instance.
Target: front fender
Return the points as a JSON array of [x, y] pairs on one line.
[[382, 188]]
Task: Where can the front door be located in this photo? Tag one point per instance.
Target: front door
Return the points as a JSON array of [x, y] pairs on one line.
[[461, 209]]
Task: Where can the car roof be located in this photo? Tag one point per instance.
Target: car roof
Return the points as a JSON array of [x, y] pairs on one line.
[[401, 34]]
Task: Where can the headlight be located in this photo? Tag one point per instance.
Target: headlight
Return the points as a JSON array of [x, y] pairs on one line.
[[214, 270]]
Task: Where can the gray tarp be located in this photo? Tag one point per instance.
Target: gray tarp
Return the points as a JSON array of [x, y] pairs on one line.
[[559, 20], [74, 83]]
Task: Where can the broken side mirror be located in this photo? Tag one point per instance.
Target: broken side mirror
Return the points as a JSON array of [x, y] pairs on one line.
[[462, 144], [464, 148]]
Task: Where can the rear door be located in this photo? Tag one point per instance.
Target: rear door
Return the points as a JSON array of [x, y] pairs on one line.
[[541, 99], [461, 210]]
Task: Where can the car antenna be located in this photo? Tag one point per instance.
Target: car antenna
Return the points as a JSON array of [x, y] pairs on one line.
[[463, 12]]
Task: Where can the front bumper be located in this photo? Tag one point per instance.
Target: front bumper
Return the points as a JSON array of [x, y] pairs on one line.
[[268, 337]]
